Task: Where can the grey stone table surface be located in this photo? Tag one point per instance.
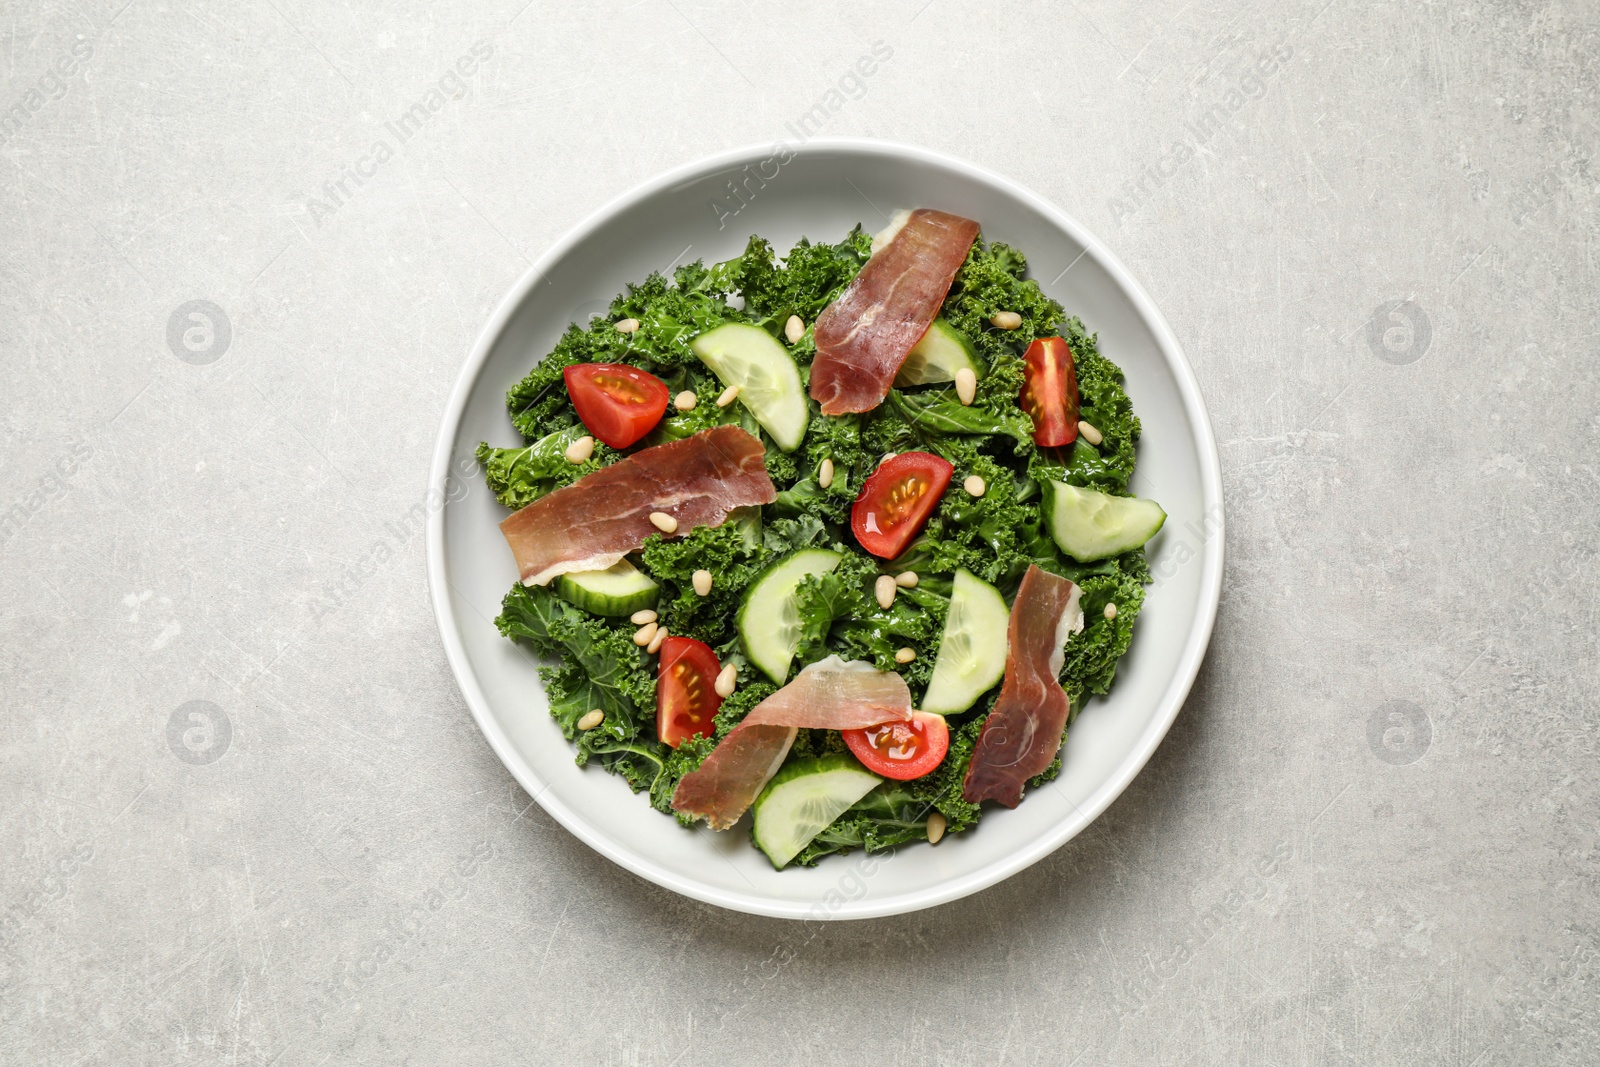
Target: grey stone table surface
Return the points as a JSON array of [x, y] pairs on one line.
[[1369, 839]]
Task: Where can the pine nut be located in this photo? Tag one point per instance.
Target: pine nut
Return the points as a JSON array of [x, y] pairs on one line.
[[1006, 320], [885, 590], [702, 583], [580, 450], [825, 473], [639, 618], [591, 719], [1111, 611], [729, 395], [974, 485], [646, 634], [664, 522], [1089, 433], [906, 579], [966, 385], [794, 329], [936, 826], [887, 456], [685, 401], [727, 680], [627, 325], [905, 655], [655, 642]]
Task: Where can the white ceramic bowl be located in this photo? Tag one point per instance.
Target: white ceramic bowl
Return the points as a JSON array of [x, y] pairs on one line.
[[707, 210]]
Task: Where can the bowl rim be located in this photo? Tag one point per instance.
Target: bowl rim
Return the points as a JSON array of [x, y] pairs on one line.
[[1031, 852]]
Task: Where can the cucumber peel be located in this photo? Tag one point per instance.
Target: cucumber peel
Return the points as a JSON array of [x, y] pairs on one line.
[[620, 589]]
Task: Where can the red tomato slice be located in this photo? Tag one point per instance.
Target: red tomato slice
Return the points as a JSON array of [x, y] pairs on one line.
[[1050, 392], [619, 404], [896, 500], [686, 697], [901, 750]]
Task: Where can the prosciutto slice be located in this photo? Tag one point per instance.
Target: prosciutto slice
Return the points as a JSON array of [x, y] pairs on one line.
[[864, 336], [603, 516], [830, 694], [1023, 732]]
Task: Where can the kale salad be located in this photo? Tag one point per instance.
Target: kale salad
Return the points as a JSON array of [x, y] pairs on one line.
[[699, 539]]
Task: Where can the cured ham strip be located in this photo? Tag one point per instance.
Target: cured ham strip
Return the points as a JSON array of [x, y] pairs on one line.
[[864, 336], [828, 695], [595, 521], [1023, 732]]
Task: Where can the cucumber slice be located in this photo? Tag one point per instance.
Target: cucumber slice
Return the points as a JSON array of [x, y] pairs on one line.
[[942, 351], [972, 651], [1090, 525], [803, 799], [769, 620], [620, 589], [769, 382]]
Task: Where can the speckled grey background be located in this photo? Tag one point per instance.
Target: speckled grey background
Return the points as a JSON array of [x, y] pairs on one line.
[[1371, 836]]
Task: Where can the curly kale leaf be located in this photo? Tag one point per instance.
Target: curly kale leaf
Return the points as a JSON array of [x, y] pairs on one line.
[[840, 614], [808, 280], [730, 552], [601, 668], [519, 476], [783, 536], [1091, 663], [994, 536], [992, 279]]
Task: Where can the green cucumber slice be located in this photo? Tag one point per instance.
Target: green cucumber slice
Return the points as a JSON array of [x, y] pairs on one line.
[[769, 619], [1090, 525], [972, 651], [620, 589], [769, 382], [942, 351], [803, 799]]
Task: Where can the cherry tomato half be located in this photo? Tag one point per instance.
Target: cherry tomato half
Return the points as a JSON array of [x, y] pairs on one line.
[[686, 695], [619, 404], [896, 500], [901, 750], [1050, 392]]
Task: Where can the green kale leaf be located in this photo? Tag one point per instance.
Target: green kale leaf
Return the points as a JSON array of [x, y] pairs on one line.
[[601, 668], [519, 476]]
